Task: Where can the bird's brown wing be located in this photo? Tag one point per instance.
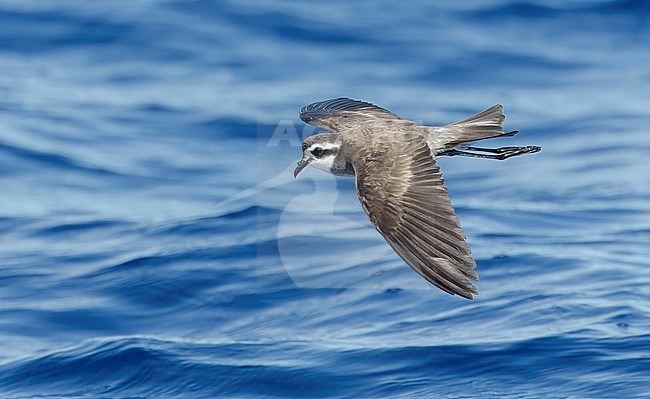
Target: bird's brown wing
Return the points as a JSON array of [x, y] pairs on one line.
[[404, 195], [341, 112]]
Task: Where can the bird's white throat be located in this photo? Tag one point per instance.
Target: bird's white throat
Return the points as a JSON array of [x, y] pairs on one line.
[[324, 164]]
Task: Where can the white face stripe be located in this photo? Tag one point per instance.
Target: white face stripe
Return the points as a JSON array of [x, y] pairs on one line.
[[325, 146], [326, 162]]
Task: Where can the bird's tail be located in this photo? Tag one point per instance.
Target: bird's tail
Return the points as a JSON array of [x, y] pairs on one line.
[[484, 125]]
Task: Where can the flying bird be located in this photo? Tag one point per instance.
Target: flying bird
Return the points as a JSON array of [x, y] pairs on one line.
[[398, 182]]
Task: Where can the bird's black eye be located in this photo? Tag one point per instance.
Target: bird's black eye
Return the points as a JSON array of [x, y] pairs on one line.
[[318, 152]]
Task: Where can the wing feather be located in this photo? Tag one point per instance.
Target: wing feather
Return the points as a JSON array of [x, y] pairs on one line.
[[416, 217], [332, 114]]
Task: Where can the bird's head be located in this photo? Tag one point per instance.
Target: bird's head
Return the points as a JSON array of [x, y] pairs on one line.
[[319, 151]]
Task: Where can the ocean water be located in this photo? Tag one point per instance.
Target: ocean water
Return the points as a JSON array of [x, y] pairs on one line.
[[154, 244]]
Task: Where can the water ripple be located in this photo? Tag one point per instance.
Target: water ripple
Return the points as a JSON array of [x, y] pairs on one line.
[[154, 243]]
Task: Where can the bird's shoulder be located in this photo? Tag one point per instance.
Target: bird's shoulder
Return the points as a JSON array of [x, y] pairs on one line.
[[380, 142]]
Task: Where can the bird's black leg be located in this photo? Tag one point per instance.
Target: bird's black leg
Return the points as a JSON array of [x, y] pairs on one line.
[[492, 153], [451, 153], [492, 150]]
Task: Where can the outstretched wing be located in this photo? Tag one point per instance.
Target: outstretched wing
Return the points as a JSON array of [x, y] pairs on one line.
[[406, 199], [337, 112]]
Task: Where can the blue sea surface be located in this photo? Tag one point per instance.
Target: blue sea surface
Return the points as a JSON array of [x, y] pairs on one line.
[[154, 244]]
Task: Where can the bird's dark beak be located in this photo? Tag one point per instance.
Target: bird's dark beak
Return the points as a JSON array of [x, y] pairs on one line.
[[301, 165]]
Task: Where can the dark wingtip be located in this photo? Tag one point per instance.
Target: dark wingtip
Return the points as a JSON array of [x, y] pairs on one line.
[[468, 295], [336, 106], [306, 118]]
